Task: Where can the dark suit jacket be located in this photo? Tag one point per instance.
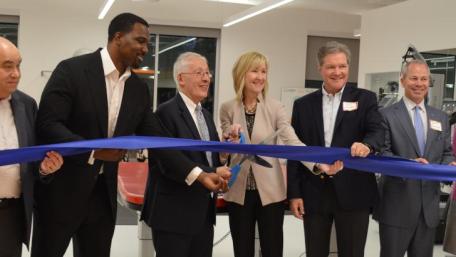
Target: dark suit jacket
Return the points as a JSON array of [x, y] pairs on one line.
[[403, 199], [355, 190], [172, 205], [24, 111], [74, 107]]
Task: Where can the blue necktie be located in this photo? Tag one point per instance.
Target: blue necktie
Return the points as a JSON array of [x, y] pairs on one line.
[[203, 130], [419, 130]]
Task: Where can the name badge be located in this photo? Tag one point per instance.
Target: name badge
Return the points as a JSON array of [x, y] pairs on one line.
[[349, 106], [436, 125]]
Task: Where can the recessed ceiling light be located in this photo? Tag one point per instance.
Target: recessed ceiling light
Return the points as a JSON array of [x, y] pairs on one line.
[[256, 10], [105, 8]]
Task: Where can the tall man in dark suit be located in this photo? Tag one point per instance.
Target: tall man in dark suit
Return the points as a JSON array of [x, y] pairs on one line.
[[408, 212], [96, 96], [335, 116], [17, 112], [181, 213]]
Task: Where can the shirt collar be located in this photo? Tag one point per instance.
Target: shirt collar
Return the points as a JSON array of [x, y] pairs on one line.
[[410, 104], [191, 106], [109, 67], [325, 93], [6, 99]]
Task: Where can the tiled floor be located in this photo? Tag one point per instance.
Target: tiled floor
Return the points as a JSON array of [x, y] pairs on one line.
[[125, 243]]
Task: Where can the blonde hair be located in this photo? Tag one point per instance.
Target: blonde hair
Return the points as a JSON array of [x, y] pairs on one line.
[[245, 63]]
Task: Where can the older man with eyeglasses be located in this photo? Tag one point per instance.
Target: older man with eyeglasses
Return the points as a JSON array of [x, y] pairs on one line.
[[182, 215]]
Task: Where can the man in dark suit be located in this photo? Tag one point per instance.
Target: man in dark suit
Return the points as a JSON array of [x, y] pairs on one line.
[[17, 112], [96, 96], [335, 116], [182, 213], [408, 211]]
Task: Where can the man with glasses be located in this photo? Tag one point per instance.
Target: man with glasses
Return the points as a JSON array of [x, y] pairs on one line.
[[97, 95], [182, 215]]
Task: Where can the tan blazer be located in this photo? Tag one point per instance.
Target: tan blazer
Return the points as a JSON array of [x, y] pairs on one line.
[[270, 116]]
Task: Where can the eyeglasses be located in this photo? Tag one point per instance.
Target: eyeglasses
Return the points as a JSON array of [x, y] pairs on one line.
[[200, 74]]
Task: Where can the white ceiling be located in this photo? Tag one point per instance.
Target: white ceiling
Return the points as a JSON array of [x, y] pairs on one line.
[[187, 12]]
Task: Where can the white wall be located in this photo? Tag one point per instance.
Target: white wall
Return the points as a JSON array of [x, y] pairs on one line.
[[281, 35], [386, 33], [48, 35]]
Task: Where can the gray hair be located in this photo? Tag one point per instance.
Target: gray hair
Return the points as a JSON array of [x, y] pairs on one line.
[[332, 47], [182, 62], [406, 65]]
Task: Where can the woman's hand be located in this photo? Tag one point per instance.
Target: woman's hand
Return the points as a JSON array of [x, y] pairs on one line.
[[233, 134]]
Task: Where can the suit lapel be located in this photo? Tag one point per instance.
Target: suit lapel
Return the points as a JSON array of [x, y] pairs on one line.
[[318, 111], [97, 87], [403, 118], [347, 96], [187, 117], [20, 121], [431, 134]]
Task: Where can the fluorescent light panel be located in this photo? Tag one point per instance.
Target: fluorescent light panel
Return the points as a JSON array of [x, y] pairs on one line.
[[251, 12], [104, 10], [176, 45]]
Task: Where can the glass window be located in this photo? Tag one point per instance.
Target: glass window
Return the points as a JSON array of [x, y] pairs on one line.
[[8, 27], [165, 47]]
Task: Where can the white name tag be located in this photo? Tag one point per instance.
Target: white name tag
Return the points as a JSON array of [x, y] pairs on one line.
[[435, 125], [349, 106]]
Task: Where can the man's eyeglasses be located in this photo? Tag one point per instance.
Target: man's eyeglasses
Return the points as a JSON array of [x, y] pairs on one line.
[[200, 74]]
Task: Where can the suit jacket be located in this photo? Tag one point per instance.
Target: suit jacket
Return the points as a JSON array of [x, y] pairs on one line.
[[403, 199], [355, 190], [24, 110], [74, 107], [172, 205], [270, 116]]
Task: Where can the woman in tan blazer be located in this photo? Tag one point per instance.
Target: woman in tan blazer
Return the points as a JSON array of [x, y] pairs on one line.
[[258, 194]]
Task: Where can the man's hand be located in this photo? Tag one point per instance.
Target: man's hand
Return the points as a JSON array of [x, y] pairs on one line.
[[211, 181], [359, 150], [224, 172], [422, 160], [233, 134], [452, 163], [297, 207], [110, 155], [332, 169], [51, 163]]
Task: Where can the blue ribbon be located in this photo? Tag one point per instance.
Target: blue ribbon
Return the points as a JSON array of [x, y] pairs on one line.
[[377, 164]]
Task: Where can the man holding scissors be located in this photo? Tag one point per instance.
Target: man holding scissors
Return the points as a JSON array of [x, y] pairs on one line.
[[183, 214]]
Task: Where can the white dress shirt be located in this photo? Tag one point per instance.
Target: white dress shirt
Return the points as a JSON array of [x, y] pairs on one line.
[[330, 107], [115, 84], [191, 106], [10, 175], [410, 105]]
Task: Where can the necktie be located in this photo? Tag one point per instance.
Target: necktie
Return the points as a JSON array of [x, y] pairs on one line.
[[419, 130], [203, 130]]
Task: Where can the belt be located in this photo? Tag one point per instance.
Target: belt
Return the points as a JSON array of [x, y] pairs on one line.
[[5, 202]]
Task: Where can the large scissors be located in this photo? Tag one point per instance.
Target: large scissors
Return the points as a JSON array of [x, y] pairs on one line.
[[255, 158], [236, 167]]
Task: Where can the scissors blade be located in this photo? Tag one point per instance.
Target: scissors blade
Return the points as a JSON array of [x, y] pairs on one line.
[[260, 161], [244, 157], [255, 158]]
